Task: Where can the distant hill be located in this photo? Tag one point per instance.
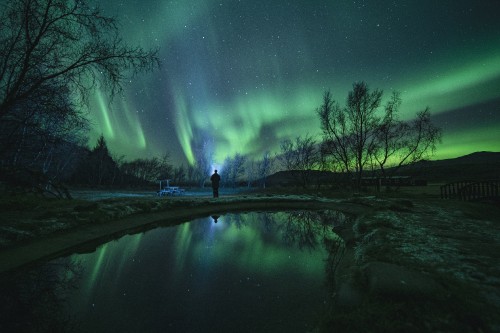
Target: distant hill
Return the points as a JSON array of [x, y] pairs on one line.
[[475, 166]]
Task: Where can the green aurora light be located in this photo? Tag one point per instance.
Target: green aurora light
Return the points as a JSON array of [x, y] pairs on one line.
[[244, 76]]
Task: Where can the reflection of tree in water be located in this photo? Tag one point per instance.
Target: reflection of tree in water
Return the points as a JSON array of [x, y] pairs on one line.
[[238, 220], [268, 222], [335, 246], [334, 219], [33, 301], [336, 249], [303, 229], [308, 229]]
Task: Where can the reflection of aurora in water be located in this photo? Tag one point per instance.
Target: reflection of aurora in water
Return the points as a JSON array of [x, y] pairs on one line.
[[264, 271]]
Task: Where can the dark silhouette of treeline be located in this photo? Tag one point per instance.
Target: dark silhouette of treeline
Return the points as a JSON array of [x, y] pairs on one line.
[[51, 172]]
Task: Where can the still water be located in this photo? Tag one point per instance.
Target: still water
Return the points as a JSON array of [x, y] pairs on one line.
[[245, 272]]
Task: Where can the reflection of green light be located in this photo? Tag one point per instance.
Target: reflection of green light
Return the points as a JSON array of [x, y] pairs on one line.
[[112, 255], [101, 253], [179, 263], [128, 251], [183, 243], [247, 248]]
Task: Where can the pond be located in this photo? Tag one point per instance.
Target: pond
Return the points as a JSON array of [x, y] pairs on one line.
[[245, 272]]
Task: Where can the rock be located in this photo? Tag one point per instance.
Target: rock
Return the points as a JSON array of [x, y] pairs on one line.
[[397, 281]]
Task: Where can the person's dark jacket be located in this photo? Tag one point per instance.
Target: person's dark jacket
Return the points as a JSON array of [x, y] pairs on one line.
[[215, 180]]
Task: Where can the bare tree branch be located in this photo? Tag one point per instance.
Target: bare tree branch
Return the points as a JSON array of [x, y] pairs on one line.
[[355, 136]]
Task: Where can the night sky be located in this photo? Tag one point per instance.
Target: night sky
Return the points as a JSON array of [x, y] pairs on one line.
[[239, 76]]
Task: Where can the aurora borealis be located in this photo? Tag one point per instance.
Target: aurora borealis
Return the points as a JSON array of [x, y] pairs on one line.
[[239, 76], [247, 270]]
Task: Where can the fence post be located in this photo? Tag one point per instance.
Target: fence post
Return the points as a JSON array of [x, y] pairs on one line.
[[468, 190]]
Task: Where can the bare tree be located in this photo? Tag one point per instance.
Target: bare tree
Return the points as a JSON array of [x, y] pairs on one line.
[[336, 135], [402, 143], [191, 174], [299, 157], [251, 172], [422, 139], [203, 163], [257, 171], [362, 119], [355, 136], [233, 168], [53, 54], [149, 169], [61, 43], [179, 174], [31, 133], [286, 156], [264, 167], [391, 133], [348, 133]]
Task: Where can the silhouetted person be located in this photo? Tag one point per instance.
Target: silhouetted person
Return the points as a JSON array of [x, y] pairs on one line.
[[215, 179], [215, 217]]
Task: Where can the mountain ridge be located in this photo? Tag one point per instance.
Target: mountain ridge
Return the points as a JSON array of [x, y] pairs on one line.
[[476, 166], [481, 165]]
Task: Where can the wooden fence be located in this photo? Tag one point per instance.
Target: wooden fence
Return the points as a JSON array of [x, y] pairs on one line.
[[471, 190]]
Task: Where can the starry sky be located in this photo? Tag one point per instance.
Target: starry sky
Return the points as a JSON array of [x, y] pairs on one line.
[[239, 76]]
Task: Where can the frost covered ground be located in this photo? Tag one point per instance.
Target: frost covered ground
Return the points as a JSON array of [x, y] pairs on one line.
[[93, 195], [441, 257]]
